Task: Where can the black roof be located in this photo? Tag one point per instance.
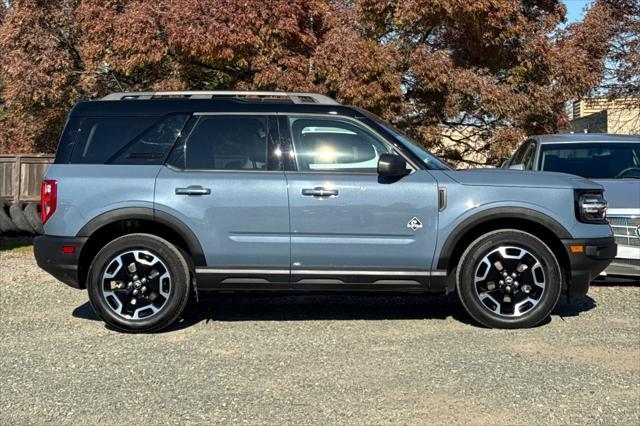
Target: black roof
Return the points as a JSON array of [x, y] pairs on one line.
[[163, 106]]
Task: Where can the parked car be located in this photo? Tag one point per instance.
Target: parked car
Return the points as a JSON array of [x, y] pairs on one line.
[[155, 196], [613, 161]]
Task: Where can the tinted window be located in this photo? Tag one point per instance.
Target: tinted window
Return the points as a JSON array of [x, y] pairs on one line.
[[527, 158], [519, 154], [219, 142], [330, 145], [154, 144], [593, 160], [99, 138], [68, 139]]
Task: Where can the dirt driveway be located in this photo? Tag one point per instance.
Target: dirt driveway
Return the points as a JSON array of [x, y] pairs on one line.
[[313, 360]]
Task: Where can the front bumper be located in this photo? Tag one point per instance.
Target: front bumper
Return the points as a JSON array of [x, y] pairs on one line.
[[598, 253], [50, 257], [626, 263]]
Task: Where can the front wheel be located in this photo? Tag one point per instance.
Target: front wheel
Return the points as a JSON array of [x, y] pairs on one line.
[[509, 279], [139, 283]]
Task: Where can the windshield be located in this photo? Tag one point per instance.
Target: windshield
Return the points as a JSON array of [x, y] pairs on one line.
[[592, 160], [431, 161]]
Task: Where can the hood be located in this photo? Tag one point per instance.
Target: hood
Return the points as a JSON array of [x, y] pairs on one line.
[[621, 193], [519, 178]]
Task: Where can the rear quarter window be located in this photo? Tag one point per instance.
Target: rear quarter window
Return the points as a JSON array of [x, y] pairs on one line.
[[119, 140], [99, 138]]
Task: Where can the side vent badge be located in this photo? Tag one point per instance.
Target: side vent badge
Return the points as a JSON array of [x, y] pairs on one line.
[[414, 224]]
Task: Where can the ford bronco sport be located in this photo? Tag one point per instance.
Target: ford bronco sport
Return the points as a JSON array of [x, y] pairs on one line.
[[155, 196]]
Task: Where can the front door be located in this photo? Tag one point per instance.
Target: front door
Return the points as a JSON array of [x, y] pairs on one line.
[[224, 180], [350, 227]]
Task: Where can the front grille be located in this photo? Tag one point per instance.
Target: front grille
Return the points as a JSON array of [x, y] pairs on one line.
[[625, 229]]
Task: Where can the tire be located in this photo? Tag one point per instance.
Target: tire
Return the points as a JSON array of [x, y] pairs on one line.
[[525, 296], [33, 216], [154, 308], [18, 219], [6, 224]]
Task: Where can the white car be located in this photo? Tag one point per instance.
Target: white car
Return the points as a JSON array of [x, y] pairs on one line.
[[613, 161]]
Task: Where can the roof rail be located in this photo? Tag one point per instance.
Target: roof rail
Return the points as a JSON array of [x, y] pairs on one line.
[[294, 97]]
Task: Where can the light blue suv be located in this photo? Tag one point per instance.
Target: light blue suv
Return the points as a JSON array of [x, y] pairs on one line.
[[155, 196]]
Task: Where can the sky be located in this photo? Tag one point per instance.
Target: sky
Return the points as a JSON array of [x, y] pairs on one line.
[[575, 9]]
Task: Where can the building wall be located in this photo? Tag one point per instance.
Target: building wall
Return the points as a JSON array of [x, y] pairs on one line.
[[598, 115]]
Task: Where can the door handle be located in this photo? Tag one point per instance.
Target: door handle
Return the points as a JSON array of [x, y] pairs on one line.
[[319, 191], [193, 190]]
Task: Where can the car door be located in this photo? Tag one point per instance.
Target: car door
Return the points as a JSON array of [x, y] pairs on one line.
[[224, 180], [349, 226]]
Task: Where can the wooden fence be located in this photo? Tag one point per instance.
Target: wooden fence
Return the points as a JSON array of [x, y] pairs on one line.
[[20, 176]]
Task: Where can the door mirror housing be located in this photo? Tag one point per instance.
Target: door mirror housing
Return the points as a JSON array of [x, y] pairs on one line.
[[392, 165], [517, 167]]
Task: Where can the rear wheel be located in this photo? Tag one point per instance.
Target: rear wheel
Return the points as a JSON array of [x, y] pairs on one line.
[[509, 279], [139, 283]]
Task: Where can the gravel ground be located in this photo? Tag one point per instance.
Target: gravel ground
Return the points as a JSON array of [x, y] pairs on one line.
[[313, 360]]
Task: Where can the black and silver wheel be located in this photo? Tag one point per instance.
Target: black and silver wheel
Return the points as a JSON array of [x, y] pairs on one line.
[[509, 279], [139, 282]]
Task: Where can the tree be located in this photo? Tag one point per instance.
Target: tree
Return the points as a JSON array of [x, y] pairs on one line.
[[57, 52], [466, 78], [622, 74], [480, 75]]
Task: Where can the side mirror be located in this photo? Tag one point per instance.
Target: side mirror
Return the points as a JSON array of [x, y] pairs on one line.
[[392, 165], [517, 167]]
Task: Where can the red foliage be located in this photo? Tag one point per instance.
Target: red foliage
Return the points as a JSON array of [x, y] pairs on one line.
[[494, 69]]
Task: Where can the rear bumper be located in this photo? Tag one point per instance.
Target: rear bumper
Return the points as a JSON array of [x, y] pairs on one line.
[[50, 257], [585, 267]]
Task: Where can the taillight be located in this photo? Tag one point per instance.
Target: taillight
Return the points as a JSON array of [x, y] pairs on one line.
[[48, 198]]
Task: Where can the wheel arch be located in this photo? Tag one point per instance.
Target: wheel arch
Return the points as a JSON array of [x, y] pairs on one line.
[[109, 225], [538, 224]]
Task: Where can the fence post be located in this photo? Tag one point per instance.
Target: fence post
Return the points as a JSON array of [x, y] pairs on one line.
[[16, 176]]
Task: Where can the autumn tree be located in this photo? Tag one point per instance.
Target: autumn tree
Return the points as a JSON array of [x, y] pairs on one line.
[[479, 75], [622, 65], [466, 78]]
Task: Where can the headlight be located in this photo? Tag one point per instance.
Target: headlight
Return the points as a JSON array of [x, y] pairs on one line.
[[591, 207]]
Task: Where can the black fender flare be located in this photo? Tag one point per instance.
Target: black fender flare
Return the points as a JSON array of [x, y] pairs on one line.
[[152, 215], [492, 214]]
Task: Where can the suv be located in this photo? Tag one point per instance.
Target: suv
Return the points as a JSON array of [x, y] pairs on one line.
[[613, 161], [156, 196]]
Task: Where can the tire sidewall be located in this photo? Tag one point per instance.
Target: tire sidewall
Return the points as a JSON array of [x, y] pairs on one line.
[[488, 242], [174, 262]]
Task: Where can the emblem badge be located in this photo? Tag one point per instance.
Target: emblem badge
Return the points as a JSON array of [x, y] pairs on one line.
[[414, 224]]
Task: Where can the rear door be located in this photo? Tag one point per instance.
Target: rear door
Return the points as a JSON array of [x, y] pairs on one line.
[[349, 226], [224, 180]]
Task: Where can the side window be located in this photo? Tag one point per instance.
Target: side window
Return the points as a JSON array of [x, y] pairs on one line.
[[68, 140], [98, 138], [154, 144], [227, 142], [519, 154], [334, 145], [527, 159]]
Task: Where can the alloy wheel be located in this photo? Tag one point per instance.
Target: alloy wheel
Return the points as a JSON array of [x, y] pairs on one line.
[[136, 284], [509, 281]]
